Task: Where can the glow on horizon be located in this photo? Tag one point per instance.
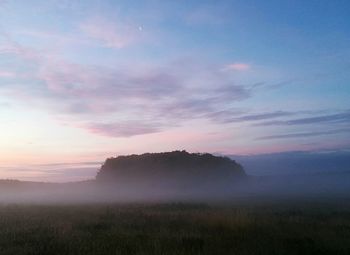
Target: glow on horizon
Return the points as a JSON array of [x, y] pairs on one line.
[[85, 80]]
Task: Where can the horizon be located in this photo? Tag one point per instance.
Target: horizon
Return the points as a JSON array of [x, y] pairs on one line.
[[86, 80], [254, 165]]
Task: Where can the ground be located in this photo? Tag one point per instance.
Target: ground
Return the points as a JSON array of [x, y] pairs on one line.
[[288, 227]]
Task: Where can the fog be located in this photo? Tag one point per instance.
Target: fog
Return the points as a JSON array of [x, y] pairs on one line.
[[282, 176], [296, 163], [271, 187]]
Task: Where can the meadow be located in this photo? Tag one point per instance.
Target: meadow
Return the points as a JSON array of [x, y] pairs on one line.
[[286, 227]]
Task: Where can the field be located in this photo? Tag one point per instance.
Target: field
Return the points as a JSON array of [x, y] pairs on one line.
[[257, 228]]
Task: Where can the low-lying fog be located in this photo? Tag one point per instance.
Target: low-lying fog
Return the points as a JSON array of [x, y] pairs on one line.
[[270, 176], [252, 187]]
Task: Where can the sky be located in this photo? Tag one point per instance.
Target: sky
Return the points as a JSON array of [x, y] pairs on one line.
[[84, 80]]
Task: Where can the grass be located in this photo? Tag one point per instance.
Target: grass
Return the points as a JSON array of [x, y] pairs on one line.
[[174, 229]]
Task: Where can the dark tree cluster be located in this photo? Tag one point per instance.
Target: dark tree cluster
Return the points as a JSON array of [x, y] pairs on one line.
[[171, 169]]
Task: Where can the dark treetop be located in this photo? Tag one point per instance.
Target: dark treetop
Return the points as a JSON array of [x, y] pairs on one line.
[[171, 169]]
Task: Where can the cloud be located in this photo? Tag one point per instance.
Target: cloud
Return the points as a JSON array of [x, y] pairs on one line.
[[60, 172], [53, 38], [87, 89], [110, 34], [127, 101], [305, 134], [269, 86], [6, 74], [238, 67], [11, 47], [225, 118], [106, 98], [122, 129], [71, 165], [4, 105], [343, 117]]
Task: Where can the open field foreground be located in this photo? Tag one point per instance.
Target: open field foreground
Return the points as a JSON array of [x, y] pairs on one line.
[[288, 227]]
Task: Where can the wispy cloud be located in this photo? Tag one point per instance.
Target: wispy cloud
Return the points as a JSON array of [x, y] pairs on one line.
[[53, 38], [6, 74], [166, 94], [122, 129], [343, 117], [120, 102], [110, 34], [225, 118], [305, 134], [238, 67], [58, 172]]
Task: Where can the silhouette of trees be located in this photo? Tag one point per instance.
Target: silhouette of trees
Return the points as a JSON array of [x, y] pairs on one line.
[[170, 169]]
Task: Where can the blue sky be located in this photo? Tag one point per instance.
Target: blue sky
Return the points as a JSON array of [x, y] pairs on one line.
[[84, 80]]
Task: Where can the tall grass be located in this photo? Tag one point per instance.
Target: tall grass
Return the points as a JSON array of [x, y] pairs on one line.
[[173, 229]]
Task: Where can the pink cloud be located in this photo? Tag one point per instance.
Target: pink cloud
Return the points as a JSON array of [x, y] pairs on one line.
[[53, 38], [110, 34], [168, 95], [238, 67], [6, 74], [89, 92]]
